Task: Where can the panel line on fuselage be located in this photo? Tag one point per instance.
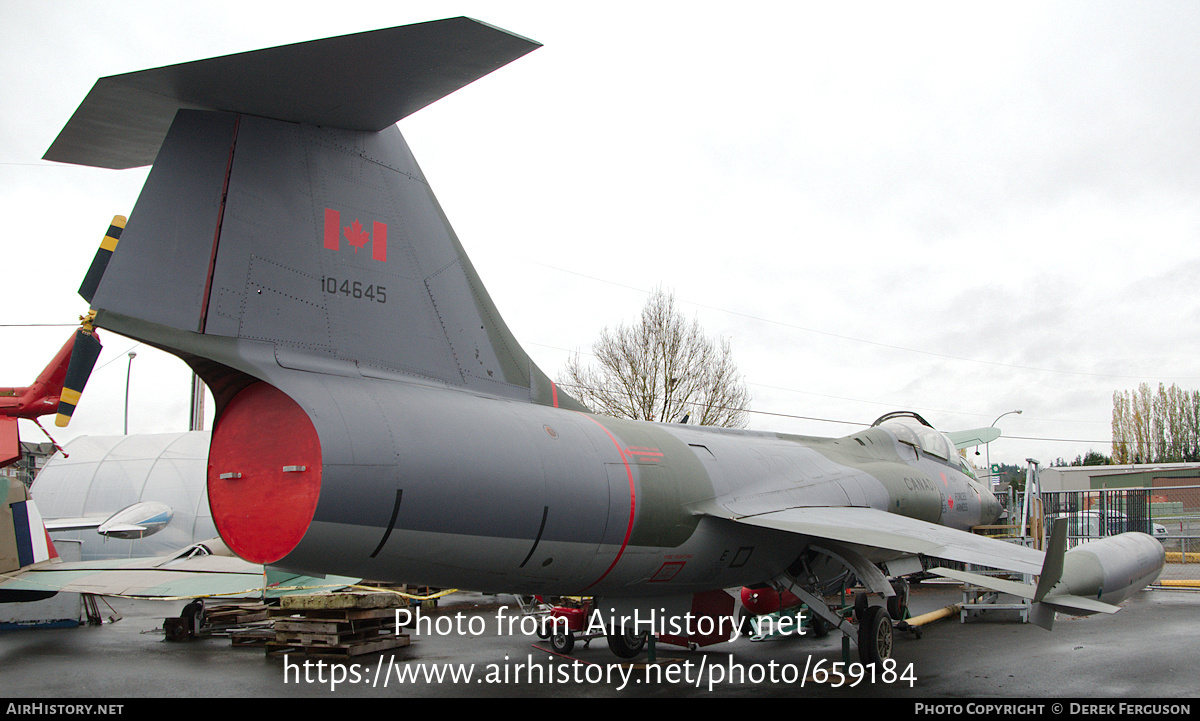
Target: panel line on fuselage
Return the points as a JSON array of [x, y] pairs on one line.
[[392, 523]]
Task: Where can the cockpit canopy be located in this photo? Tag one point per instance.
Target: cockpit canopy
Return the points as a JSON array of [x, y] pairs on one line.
[[915, 431]]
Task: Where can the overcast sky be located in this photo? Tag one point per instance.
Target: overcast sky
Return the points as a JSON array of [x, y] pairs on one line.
[[956, 208]]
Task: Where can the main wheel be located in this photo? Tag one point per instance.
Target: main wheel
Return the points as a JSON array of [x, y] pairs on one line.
[[897, 605], [562, 642], [626, 644], [875, 635]]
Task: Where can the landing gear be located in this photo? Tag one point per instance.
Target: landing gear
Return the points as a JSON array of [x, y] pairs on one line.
[[874, 635], [818, 626], [626, 644], [897, 605], [810, 579], [861, 604]]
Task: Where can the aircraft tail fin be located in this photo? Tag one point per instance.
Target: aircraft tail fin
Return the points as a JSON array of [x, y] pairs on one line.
[[312, 236], [1052, 569], [24, 541]]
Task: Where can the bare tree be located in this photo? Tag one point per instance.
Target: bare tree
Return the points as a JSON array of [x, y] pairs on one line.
[[661, 369]]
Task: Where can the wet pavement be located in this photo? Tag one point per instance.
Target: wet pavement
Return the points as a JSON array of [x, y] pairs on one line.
[[1150, 649]]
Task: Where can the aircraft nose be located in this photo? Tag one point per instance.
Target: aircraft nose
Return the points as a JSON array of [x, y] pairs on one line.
[[989, 511]]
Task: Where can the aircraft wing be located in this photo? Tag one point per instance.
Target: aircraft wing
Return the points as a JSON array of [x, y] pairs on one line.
[[76, 523], [880, 529], [164, 578], [973, 437]]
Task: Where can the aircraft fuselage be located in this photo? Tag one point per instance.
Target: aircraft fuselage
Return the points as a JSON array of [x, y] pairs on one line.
[[452, 489]]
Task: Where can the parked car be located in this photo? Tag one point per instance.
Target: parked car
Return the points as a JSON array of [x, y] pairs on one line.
[[1087, 524]]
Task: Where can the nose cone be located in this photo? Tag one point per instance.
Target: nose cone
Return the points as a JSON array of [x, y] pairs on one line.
[[989, 507]]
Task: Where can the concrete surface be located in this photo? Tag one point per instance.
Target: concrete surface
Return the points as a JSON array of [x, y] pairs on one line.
[[1150, 649]]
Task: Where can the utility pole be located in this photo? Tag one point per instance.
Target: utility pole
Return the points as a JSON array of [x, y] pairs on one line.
[[128, 373], [991, 474], [196, 423]]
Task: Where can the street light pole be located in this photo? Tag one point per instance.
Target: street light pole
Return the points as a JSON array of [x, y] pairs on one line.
[[991, 475], [128, 372]]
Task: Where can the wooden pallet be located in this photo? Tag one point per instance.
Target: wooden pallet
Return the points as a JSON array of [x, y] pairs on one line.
[[336, 625], [235, 615]]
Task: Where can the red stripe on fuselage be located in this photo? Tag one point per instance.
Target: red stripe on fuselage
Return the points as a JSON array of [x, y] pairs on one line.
[[632, 503]]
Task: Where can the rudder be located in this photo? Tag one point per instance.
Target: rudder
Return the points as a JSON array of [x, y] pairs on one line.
[[23, 537]]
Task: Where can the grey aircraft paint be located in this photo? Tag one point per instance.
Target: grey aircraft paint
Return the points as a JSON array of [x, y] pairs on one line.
[[309, 253]]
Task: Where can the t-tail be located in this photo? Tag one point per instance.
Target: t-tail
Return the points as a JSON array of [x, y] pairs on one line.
[[287, 246], [285, 211]]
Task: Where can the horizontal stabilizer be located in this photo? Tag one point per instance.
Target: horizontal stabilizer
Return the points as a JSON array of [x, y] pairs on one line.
[[365, 81]]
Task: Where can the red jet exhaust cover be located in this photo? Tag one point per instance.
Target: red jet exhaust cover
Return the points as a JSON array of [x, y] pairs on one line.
[[264, 474]]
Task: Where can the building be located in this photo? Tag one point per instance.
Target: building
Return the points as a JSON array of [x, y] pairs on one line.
[[1173, 496], [34, 457], [1142, 475]]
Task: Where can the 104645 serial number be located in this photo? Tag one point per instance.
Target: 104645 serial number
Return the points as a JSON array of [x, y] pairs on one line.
[[354, 289]]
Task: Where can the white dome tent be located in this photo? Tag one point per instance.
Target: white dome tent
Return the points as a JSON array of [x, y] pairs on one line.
[[100, 475]]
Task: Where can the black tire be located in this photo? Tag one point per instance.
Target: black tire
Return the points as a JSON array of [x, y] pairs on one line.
[[875, 636], [861, 603], [562, 642], [626, 645], [543, 631], [897, 605]]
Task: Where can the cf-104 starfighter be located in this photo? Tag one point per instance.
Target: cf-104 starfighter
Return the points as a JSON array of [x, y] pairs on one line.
[[376, 418]]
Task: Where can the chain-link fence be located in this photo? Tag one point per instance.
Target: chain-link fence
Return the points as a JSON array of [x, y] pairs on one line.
[[1169, 513]]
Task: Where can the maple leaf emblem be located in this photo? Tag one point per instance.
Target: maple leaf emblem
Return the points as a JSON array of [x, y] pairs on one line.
[[356, 236]]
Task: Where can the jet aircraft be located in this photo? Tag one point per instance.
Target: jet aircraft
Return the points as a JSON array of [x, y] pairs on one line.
[[376, 417]]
